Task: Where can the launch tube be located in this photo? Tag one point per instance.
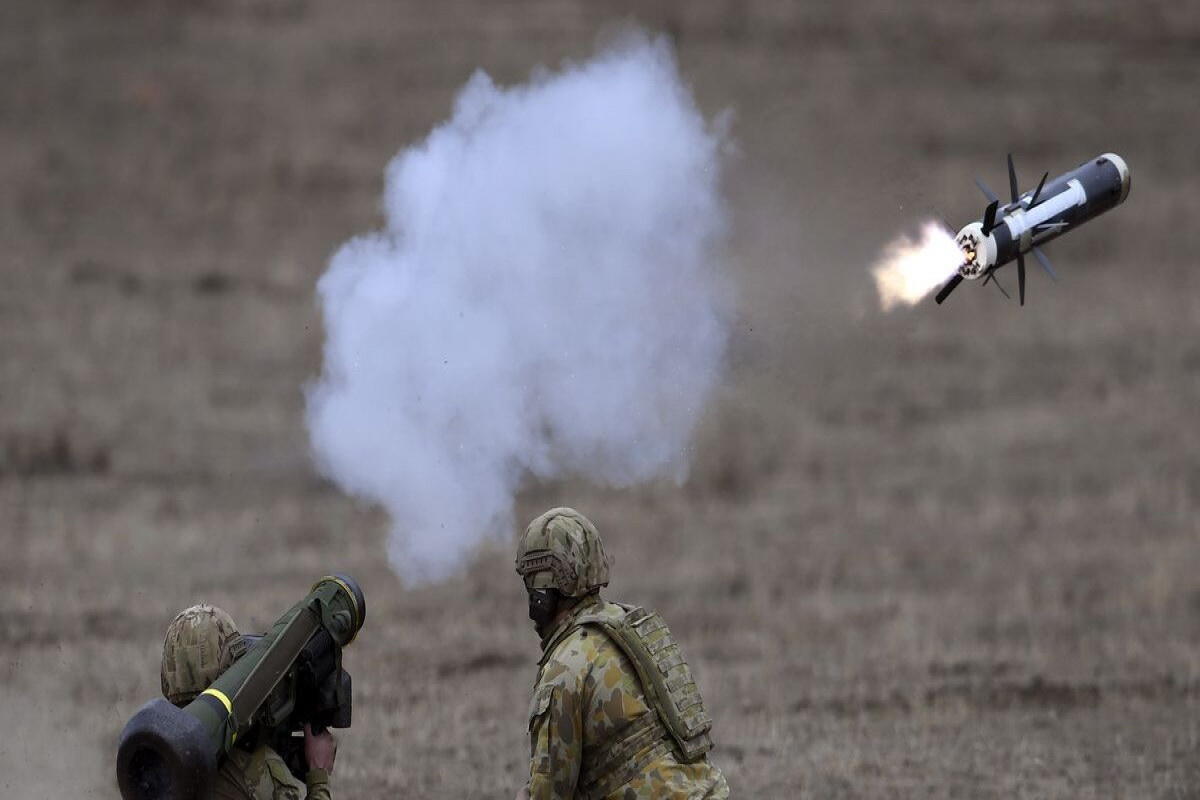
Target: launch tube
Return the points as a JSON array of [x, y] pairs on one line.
[[170, 753]]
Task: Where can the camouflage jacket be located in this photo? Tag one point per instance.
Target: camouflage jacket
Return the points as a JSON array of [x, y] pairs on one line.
[[586, 698], [262, 775]]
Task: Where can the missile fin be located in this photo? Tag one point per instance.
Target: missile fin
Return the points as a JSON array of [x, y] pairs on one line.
[[1012, 178], [949, 287], [1045, 262], [1021, 277], [1038, 191], [988, 193], [995, 280], [989, 217]]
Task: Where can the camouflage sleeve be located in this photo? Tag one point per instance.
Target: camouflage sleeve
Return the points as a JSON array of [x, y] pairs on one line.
[[556, 742], [317, 781], [278, 782]]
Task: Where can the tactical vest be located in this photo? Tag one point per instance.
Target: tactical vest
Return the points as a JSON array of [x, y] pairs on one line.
[[666, 680]]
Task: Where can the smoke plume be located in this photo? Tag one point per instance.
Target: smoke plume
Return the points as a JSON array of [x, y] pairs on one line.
[[545, 300]]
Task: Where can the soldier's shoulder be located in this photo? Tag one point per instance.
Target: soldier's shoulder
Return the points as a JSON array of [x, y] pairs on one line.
[[609, 611], [567, 662], [584, 649]]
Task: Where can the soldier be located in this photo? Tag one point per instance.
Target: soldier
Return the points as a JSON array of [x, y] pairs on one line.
[[615, 712], [200, 644]]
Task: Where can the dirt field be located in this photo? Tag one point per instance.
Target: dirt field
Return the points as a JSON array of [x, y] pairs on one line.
[[946, 552]]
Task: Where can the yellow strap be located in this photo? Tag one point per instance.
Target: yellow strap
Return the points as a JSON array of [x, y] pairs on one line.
[[217, 693]]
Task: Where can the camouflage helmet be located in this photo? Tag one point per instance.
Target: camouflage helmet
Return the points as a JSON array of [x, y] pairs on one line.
[[561, 549], [201, 643]]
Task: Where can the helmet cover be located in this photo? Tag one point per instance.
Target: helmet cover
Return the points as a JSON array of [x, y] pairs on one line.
[[561, 549], [201, 643]]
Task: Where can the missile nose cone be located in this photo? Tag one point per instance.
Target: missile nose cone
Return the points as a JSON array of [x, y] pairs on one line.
[[1123, 169]]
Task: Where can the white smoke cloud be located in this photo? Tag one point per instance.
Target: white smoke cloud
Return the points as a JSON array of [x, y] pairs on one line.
[[545, 300]]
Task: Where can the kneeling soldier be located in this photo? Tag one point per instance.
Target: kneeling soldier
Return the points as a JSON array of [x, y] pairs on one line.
[[201, 643]]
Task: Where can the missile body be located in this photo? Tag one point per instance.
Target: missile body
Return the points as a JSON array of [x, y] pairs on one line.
[[1006, 233]]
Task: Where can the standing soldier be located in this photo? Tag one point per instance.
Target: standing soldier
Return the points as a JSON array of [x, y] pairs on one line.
[[615, 714], [201, 643]]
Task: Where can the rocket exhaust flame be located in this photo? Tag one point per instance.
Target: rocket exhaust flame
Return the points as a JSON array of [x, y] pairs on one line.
[[910, 269]]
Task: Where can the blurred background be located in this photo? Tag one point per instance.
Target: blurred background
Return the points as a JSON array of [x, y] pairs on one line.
[[942, 552]]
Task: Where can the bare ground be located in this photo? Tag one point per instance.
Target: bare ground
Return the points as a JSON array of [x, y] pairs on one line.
[[948, 552]]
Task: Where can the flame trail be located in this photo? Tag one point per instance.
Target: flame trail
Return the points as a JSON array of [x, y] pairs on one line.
[[910, 269]]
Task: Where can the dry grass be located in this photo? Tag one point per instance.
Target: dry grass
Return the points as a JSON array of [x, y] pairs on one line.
[[949, 553]]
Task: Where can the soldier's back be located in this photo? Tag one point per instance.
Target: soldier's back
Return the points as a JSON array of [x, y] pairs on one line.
[[627, 753]]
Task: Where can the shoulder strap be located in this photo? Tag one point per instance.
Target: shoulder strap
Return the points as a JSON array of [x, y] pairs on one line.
[[665, 676]]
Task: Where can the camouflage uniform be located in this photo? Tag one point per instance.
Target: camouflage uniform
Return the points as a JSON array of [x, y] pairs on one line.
[[262, 775], [201, 643], [593, 732]]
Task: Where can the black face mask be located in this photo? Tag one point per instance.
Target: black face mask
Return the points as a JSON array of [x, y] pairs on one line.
[[543, 606]]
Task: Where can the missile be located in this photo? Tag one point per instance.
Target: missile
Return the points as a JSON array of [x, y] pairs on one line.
[[1007, 232]]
